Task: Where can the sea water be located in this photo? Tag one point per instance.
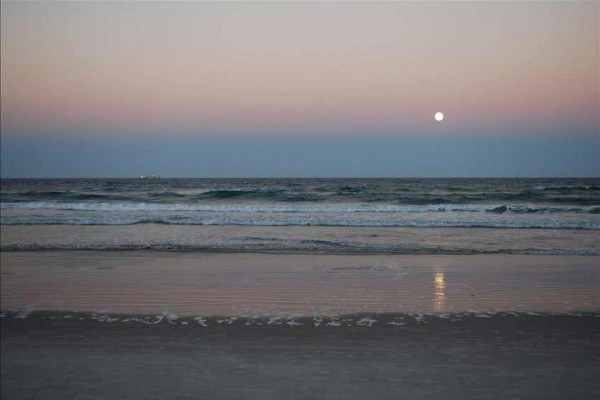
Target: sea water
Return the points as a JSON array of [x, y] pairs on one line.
[[547, 216]]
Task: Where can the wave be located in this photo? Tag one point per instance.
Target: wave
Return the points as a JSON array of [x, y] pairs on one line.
[[568, 188], [49, 193], [227, 194], [296, 208], [66, 195], [309, 246], [349, 189], [259, 194], [305, 220], [519, 209], [574, 195]]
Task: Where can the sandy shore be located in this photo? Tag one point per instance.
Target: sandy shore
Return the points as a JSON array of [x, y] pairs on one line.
[[145, 325], [503, 356], [249, 284]]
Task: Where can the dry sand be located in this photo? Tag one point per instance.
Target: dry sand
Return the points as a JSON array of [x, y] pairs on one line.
[[500, 357]]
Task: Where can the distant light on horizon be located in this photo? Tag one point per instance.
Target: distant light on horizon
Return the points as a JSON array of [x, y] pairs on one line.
[[438, 116]]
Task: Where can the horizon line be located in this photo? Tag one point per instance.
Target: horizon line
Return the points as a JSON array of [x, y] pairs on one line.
[[315, 177]]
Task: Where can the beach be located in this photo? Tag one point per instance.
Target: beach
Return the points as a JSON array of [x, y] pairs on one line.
[[300, 289], [266, 200], [504, 356], [189, 325]]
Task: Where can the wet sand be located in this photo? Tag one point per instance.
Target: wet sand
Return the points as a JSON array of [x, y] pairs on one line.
[[300, 239], [250, 284], [503, 356]]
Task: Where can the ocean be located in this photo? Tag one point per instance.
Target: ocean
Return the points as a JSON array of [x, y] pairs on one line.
[[447, 216]]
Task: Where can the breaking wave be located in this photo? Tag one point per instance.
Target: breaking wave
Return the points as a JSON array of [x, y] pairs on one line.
[[568, 188], [297, 208], [251, 219]]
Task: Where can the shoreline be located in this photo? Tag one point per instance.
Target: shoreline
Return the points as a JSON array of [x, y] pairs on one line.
[[353, 320], [212, 250], [298, 239]]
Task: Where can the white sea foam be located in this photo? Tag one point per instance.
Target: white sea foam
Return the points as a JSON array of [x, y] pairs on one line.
[[396, 323], [24, 313], [274, 207], [103, 317], [275, 321], [227, 321], [170, 316], [366, 321], [252, 219]]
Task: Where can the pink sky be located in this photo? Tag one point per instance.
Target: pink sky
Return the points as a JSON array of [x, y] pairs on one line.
[[242, 67]]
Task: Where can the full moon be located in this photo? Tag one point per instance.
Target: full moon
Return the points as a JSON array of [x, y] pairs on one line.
[[438, 116]]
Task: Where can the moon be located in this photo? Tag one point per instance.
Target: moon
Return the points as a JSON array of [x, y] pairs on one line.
[[438, 116]]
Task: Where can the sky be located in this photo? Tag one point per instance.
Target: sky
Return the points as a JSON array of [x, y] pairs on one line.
[[301, 89]]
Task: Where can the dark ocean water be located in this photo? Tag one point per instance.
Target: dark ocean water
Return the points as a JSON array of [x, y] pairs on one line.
[[542, 216], [494, 203]]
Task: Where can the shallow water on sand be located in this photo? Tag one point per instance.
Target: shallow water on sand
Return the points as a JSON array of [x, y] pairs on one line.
[[243, 284], [345, 240]]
